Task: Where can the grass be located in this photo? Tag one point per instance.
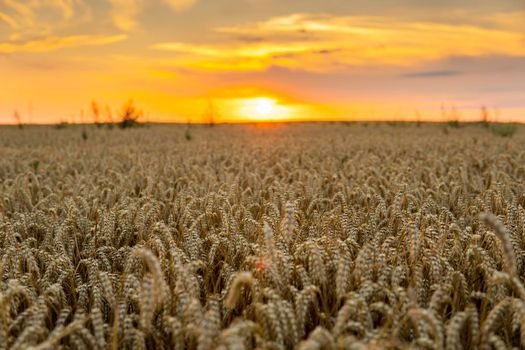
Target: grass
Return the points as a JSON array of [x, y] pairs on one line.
[[503, 129], [454, 124], [307, 236]]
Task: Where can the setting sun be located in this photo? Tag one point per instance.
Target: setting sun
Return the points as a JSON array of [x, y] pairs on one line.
[[264, 107]]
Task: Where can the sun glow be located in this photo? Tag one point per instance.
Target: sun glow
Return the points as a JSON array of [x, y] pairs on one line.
[[264, 106], [262, 109]]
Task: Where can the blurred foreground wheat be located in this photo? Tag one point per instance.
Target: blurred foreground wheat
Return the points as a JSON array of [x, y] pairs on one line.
[[309, 237]]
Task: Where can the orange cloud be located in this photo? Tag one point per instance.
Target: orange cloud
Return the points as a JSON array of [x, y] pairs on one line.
[[180, 5], [331, 43], [124, 13], [41, 18], [9, 20]]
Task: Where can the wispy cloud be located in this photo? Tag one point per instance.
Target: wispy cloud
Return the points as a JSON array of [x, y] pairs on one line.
[[180, 5], [66, 6], [28, 12], [29, 19], [124, 13], [8, 20], [330, 42], [22, 13], [54, 43]]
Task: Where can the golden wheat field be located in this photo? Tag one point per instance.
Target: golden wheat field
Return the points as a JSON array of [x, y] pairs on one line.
[[307, 236]]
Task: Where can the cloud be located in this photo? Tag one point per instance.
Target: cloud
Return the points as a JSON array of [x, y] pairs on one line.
[[180, 5], [433, 74], [326, 51], [41, 18], [23, 13], [124, 13], [331, 43], [9, 20], [29, 12], [67, 7], [250, 39], [52, 43], [259, 50]]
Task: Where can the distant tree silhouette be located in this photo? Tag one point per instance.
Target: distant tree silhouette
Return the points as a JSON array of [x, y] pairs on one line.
[[18, 119], [129, 115], [211, 114], [484, 116], [96, 113]]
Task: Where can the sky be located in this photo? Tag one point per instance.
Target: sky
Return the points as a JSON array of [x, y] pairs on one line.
[[262, 60]]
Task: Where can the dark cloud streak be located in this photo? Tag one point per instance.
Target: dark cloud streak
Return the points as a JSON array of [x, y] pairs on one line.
[[433, 74]]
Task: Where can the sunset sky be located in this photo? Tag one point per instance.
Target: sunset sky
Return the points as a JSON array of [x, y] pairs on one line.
[[262, 59]]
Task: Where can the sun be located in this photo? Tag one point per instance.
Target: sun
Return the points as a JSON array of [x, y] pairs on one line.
[[261, 109], [263, 106]]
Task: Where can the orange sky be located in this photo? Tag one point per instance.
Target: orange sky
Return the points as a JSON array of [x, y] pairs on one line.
[[261, 60]]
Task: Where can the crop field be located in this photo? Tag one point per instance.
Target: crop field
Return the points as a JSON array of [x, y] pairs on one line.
[[306, 236]]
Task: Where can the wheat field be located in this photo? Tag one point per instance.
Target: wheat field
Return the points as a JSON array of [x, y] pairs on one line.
[[308, 236]]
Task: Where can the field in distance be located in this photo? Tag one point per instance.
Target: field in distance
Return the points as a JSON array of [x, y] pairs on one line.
[[309, 236]]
